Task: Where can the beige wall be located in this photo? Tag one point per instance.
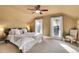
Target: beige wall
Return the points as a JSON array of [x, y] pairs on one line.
[[19, 16], [68, 23], [32, 26], [46, 26], [78, 29]]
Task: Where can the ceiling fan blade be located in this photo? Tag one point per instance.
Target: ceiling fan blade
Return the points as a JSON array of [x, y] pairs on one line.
[[44, 10], [30, 9]]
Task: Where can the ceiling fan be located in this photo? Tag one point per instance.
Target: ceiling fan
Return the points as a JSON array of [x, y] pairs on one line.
[[37, 9]]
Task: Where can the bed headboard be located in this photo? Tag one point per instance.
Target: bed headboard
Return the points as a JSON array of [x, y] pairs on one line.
[[6, 30]]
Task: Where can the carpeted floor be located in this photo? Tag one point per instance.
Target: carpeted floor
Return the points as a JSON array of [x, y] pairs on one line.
[[50, 45], [8, 47]]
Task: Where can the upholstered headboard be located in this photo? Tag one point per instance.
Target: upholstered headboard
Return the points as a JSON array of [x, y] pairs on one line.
[[6, 30]]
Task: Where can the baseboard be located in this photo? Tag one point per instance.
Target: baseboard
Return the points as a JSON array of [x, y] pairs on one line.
[[46, 37]]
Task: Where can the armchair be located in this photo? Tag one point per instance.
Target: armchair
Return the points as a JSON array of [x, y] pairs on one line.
[[73, 36]]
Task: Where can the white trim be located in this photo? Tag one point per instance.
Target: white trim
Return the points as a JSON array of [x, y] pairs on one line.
[[61, 27]]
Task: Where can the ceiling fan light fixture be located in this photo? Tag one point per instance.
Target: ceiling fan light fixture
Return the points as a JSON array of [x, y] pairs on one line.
[[37, 11]]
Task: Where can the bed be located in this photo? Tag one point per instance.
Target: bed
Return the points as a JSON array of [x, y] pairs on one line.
[[24, 40]]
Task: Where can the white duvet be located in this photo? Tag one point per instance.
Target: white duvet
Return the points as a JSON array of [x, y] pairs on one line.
[[25, 42]]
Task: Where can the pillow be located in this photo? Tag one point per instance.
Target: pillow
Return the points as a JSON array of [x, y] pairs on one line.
[[17, 32], [21, 31], [11, 32], [24, 30]]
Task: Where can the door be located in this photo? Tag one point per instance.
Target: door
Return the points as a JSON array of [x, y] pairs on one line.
[[56, 27], [38, 26]]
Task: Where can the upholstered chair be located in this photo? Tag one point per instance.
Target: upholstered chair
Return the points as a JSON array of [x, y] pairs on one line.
[[73, 36]]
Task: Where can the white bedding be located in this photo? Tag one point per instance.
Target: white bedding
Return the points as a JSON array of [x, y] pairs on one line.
[[27, 44]]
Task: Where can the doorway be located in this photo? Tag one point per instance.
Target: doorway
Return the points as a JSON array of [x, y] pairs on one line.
[[38, 26], [56, 29]]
